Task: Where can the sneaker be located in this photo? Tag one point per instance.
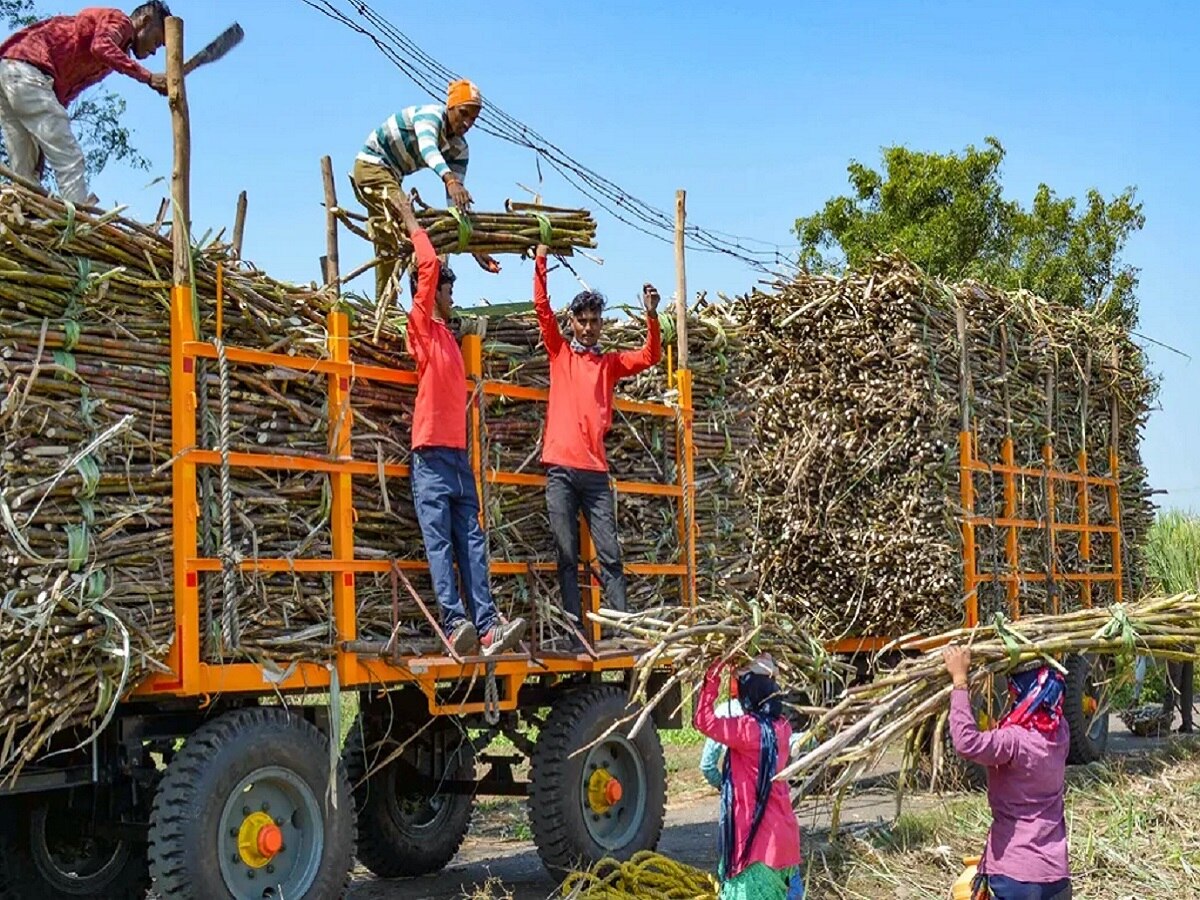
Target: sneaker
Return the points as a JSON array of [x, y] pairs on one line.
[[464, 638], [502, 636]]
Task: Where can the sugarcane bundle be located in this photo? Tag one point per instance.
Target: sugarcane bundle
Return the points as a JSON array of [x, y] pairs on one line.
[[860, 386], [520, 227], [734, 629], [909, 704]]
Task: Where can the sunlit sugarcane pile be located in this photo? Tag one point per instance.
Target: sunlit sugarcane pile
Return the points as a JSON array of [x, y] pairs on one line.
[[858, 389]]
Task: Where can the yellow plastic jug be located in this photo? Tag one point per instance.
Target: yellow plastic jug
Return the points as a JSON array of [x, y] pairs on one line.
[[962, 887]]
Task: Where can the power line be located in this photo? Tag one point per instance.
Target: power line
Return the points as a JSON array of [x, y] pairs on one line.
[[432, 76]]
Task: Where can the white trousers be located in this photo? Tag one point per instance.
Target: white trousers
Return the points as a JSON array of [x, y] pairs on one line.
[[33, 120]]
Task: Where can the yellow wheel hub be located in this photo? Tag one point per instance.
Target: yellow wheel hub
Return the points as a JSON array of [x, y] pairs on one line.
[[259, 840], [603, 791]]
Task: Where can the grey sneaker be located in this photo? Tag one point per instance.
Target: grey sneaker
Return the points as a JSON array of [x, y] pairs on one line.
[[464, 638], [504, 635]]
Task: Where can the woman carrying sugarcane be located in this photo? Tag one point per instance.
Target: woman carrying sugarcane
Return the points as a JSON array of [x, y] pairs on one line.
[[1026, 759], [758, 836]]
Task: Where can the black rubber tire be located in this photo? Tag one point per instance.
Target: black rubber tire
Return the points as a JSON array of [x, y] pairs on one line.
[[576, 719], [389, 845], [23, 876], [185, 820], [1088, 745]]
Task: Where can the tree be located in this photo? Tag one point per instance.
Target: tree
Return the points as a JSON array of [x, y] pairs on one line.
[[96, 116], [947, 213]]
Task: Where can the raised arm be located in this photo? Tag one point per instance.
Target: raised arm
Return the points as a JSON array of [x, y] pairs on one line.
[[988, 748], [630, 362], [429, 268], [552, 335], [736, 732]]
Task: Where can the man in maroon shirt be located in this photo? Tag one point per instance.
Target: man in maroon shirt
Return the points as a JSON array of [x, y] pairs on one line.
[[47, 65]]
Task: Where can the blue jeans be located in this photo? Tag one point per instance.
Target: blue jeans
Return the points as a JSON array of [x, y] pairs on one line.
[[1004, 888], [443, 488]]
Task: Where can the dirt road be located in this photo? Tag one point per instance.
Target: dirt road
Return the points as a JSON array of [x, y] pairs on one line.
[[492, 851]]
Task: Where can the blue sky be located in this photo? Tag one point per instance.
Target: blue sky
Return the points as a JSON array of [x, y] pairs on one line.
[[754, 109]]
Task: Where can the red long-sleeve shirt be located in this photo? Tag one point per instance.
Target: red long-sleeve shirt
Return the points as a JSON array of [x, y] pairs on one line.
[[579, 413], [77, 51], [440, 414]]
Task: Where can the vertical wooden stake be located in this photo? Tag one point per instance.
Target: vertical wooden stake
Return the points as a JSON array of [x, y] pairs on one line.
[[181, 133], [681, 295], [332, 266], [239, 225]]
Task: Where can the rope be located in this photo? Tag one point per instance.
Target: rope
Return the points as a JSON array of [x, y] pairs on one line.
[[491, 696], [230, 627], [464, 227], [545, 229], [647, 876]]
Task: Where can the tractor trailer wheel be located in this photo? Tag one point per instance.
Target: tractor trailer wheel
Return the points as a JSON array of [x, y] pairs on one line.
[[1086, 708], [605, 801], [406, 826], [246, 811], [45, 854]]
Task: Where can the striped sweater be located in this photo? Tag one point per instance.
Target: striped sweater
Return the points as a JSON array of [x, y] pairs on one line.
[[414, 139]]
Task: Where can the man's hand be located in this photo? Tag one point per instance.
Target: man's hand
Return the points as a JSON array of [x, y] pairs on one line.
[[487, 262], [542, 251], [457, 193], [958, 664], [158, 81], [650, 299]]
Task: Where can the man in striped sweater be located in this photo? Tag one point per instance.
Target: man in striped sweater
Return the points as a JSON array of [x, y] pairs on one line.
[[432, 136]]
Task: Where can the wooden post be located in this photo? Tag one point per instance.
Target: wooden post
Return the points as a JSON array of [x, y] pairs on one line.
[[681, 278], [239, 225], [181, 134], [332, 266]]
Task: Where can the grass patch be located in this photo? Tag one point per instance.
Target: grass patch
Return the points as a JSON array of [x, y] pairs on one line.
[[1133, 827]]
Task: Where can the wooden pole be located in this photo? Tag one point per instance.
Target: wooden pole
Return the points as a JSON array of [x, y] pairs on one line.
[[681, 278], [181, 134], [239, 225], [332, 266]]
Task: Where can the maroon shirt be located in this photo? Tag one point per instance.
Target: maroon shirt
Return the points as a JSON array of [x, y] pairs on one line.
[[77, 51], [1026, 780]]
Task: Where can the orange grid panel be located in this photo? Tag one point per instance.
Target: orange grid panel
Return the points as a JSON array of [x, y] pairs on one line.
[[190, 675]]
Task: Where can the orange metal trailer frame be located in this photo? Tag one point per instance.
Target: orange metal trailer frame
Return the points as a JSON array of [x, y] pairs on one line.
[[192, 676]]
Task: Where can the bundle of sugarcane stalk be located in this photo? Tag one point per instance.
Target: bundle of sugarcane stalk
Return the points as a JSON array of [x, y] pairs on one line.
[[861, 385], [519, 228], [910, 703], [733, 629]]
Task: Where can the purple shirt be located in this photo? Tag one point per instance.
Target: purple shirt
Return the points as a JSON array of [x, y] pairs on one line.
[[1026, 773]]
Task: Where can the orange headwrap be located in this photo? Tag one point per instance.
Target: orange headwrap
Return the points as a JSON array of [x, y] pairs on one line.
[[463, 93]]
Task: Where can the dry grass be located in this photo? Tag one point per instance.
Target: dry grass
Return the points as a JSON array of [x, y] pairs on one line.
[[1134, 831]]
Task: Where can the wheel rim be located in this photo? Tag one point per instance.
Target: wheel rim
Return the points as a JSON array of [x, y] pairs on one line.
[[1096, 701], [74, 863], [612, 792], [272, 836], [414, 811]]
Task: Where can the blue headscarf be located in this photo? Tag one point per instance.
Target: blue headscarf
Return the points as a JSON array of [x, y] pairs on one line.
[[759, 698], [1037, 699]]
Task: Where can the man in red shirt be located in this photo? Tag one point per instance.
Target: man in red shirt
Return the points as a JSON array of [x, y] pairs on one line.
[[443, 485], [578, 416], [47, 65]]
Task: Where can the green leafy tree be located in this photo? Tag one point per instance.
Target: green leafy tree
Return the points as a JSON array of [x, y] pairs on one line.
[[96, 116], [947, 213]]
